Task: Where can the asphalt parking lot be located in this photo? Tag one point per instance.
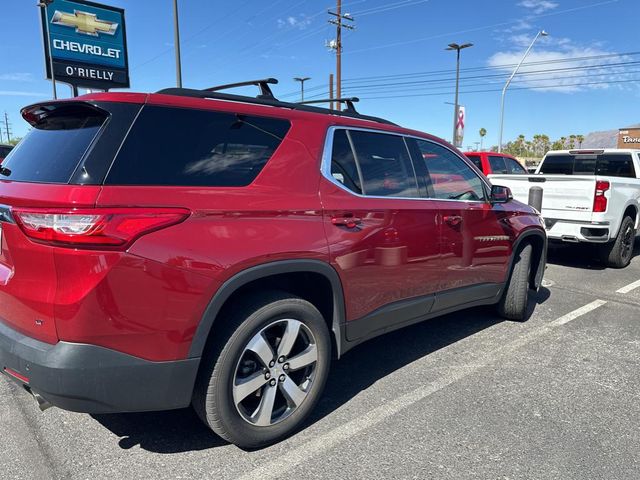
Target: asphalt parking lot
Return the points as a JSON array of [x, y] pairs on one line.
[[464, 396]]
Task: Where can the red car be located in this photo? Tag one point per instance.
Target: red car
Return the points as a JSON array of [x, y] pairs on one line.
[[197, 247], [494, 162]]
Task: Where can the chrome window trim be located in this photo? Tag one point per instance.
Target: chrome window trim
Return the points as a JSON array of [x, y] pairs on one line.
[[325, 165]]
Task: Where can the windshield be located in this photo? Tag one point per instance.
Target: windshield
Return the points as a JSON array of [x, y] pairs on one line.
[[605, 164]]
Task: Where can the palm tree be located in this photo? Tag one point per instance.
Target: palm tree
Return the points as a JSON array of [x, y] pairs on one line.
[[483, 132], [572, 141], [580, 139], [563, 141]]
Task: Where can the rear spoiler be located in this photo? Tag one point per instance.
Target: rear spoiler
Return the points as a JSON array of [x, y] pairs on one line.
[[36, 113]]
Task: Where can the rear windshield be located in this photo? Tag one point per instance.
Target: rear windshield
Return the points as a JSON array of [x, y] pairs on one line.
[[606, 164], [54, 147], [185, 147]]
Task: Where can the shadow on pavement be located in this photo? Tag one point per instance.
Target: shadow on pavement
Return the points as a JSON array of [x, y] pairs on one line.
[[182, 431]]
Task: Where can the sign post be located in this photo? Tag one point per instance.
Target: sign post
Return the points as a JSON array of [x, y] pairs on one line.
[[85, 44], [460, 120]]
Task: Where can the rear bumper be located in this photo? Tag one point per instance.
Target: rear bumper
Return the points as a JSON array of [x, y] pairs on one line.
[[573, 231], [92, 379]]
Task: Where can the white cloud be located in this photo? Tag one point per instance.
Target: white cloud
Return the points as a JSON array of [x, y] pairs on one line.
[[568, 67], [538, 6], [300, 22], [19, 93], [17, 77]]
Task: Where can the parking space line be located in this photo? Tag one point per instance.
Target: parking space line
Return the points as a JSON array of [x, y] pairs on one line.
[[321, 443], [630, 287], [578, 312]]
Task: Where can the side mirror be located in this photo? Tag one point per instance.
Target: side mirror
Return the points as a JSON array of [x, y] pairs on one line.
[[500, 194]]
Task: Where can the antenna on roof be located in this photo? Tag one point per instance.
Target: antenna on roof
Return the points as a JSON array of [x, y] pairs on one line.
[[265, 90], [348, 101]]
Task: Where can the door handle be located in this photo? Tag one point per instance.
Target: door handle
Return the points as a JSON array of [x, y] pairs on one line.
[[453, 220], [348, 222]]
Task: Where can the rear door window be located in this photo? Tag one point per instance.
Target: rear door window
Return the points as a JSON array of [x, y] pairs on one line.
[[497, 164], [55, 146], [185, 147], [385, 165]]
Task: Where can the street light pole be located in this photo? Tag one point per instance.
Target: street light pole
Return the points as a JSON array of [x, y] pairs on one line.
[[457, 48], [302, 80], [541, 33], [176, 41]]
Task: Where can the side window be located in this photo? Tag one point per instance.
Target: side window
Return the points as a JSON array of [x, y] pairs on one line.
[[497, 164], [343, 163], [476, 161], [514, 167], [384, 164], [450, 177], [187, 147]]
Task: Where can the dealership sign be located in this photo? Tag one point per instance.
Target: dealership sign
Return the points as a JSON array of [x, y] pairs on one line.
[[460, 121], [629, 138], [87, 44]]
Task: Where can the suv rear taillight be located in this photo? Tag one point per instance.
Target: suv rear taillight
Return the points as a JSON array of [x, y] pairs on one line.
[[600, 201], [98, 228]]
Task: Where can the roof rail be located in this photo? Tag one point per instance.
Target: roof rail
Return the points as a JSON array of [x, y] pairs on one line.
[[349, 101], [266, 97], [265, 90]]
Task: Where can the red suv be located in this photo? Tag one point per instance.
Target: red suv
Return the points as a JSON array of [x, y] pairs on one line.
[[196, 247], [494, 162]]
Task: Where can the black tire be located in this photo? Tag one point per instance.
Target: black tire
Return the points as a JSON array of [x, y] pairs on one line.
[[213, 398], [618, 254], [514, 301]]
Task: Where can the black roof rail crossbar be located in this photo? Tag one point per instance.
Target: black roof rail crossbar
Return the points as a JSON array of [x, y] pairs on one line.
[[265, 90], [349, 101], [189, 92]]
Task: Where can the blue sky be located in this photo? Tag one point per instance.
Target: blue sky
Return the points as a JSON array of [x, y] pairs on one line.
[[231, 41]]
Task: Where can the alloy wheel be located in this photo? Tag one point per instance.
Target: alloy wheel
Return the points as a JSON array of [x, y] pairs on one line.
[[275, 372]]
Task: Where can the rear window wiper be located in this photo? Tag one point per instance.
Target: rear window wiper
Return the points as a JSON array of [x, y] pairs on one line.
[[4, 171]]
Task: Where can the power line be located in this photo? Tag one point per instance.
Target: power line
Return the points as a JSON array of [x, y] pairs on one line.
[[431, 73], [544, 87]]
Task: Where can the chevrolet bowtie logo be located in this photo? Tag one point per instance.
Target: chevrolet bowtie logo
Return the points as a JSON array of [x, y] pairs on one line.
[[87, 23]]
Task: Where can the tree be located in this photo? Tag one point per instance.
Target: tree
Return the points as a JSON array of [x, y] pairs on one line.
[[580, 139], [572, 141], [483, 132]]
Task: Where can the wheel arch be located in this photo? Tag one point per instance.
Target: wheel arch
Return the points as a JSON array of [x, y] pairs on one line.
[[259, 274], [538, 240], [630, 210]]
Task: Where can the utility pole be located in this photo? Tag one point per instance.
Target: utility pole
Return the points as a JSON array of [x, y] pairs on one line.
[[176, 41], [338, 22], [302, 80], [6, 127], [457, 48]]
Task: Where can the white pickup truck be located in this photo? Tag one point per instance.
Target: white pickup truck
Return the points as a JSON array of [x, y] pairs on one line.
[[588, 196]]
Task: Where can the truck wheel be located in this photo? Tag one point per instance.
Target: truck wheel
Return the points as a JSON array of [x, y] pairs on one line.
[[617, 254], [259, 382], [513, 304]]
